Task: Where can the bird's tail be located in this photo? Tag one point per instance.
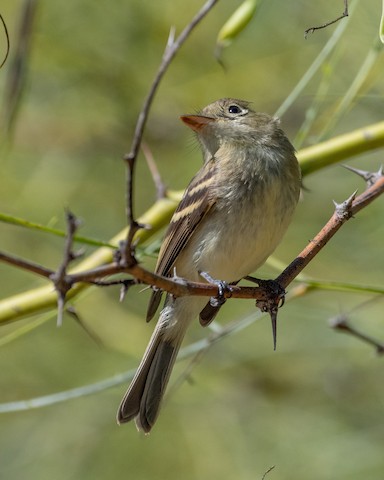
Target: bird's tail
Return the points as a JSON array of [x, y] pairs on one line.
[[143, 398]]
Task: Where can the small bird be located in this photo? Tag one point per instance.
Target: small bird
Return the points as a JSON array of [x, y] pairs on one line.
[[232, 216]]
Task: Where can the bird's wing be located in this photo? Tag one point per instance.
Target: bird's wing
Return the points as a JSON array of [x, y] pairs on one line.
[[196, 202]]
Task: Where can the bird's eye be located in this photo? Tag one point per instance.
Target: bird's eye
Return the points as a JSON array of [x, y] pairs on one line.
[[234, 109]]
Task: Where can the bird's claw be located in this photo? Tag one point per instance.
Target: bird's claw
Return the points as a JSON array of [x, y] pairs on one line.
[[224, 290]]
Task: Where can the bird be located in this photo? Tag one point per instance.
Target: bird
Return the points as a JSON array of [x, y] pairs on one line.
[[232, 216]]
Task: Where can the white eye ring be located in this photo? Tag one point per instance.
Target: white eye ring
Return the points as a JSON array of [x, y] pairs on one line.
[[237, 110]]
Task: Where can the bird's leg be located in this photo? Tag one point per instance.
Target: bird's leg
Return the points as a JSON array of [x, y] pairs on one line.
[[274, 299], [209, 312], [224, 292]]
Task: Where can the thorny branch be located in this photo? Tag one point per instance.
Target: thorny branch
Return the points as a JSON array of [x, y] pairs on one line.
[[172, 47], [178, 286], [343, 212]]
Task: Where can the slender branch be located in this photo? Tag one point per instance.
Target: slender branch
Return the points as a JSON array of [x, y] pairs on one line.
[[172, 47], [344, 14], [26, 265], [8, 43], [39, 299], [60, 278], [341, 324], [343, 212]]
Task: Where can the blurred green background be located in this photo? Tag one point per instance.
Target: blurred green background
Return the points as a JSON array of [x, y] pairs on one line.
[[314, 408]]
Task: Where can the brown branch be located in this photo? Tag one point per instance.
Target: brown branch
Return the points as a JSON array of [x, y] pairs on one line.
[[327, 24], [172, 47], [26, 265], [343, 212], [60, 279], [341, 324], [179, 287]]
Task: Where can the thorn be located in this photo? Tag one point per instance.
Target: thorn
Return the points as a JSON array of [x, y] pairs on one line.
[[145, 226], [275, 295], [273, 314], [175, 277], [60, 308], [171, 38], [369, 177], [123, 292], [343, 210], [78, 254]]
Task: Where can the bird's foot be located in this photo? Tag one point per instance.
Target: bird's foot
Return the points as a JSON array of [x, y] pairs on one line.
[[224, 290]]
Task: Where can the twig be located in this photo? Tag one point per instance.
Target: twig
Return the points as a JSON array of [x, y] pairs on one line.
[[344, 14], [172, 47], [8, 43], [156, 177], [60, 279], [268, 471], [26, 265], [341, 324]]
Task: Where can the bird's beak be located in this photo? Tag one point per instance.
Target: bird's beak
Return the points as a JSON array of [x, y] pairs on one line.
[[196, 122]]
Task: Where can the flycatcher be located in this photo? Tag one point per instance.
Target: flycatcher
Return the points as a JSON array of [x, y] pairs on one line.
[[231, 218]]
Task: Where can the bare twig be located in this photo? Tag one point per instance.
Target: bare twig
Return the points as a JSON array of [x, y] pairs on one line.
[[8, 43], [268, 471], [156, 177], [344, 14], [26, 265], [172, 47], [342, 324], [60, 279]]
